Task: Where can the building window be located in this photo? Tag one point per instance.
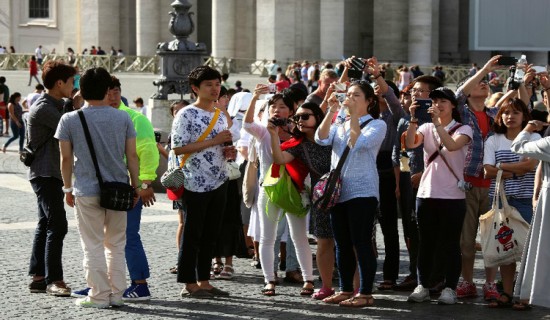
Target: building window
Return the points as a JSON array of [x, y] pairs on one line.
[[39, 9]]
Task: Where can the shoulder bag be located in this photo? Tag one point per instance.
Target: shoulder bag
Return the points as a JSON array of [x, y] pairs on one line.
[[173, 177], [503, 231], [327, 191], [114, 195]]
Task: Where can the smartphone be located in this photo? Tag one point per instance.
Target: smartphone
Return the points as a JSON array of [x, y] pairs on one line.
[[341, 96], [421, 113], [158, 135], [507, 61], [539, 69], [340, 87]]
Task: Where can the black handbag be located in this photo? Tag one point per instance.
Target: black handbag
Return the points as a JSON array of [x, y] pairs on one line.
[[114, 195], [27, 156]]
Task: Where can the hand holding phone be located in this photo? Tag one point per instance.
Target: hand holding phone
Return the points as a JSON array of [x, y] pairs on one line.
[[421, 112]]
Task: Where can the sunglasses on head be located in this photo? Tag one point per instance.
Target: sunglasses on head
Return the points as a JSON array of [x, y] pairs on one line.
[[302, 116]]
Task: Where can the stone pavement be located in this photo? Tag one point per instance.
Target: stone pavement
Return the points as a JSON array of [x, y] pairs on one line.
[[18, 220]]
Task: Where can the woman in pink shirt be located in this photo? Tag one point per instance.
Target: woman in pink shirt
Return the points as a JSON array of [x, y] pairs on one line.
[[441, 204]]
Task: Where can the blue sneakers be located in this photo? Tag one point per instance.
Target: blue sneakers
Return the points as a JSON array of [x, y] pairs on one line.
[[80, 293], [137, 292]]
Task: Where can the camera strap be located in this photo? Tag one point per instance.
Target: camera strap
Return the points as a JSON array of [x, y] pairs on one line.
[[439, 153]]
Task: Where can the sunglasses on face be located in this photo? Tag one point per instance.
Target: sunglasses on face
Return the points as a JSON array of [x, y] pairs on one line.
[[303, 117]]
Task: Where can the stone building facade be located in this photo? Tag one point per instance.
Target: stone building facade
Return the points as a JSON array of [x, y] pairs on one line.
[[415, 31]]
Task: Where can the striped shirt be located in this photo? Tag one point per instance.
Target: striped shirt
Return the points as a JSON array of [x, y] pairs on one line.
[[497, 149]]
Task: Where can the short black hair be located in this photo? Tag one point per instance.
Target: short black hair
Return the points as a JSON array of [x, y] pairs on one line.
[[203, 73], [295, 93], [39, 87], [431, 81], [2, 80], [56, 70], [115, 83], [94, 84]]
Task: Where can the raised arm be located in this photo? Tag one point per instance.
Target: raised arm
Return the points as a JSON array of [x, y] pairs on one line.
[[471, 83]]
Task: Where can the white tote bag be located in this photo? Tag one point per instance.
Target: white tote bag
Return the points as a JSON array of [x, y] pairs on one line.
[[503, 230]]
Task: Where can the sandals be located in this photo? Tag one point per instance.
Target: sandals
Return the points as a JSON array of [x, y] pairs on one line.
[[522, 306], [270, 292], [217, 267], [386, 285], [174, 270], [498, 303], [338, 297], [307, 291], [227, 273], [323, 293], [358, 302]]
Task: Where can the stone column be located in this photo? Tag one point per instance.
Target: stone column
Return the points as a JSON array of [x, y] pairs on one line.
[[147, 27], [420, 32], [390, 34], [276, 28], [332, 31], [223, 28]]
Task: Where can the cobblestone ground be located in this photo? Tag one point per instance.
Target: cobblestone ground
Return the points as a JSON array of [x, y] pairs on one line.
[[17, 222]]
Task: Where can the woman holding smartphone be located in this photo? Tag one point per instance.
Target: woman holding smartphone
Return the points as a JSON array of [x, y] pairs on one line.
[[441, 204], [352, 218]]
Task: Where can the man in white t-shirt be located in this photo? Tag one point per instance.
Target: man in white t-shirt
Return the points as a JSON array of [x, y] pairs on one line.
[[38, 54]]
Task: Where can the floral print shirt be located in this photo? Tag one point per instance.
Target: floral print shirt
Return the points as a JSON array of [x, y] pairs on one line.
[[204, 170]]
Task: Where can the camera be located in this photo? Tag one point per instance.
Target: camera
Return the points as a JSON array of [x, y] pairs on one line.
[[464, 185], [356, 70], [341, 96], [158, 135], [279, 122]]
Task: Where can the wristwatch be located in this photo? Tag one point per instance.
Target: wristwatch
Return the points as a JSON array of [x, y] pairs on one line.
[[67, 190], [145, 186]]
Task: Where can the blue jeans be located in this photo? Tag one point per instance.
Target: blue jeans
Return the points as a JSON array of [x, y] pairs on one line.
[[136, 260], [352, 222], [17, 133], [47, 247]]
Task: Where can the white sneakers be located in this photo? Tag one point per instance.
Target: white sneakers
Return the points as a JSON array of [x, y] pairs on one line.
[[420, 294], [448, 296]]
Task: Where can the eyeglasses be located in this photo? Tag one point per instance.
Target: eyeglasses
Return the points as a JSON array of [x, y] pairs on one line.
[[421, 91], [302, 116]]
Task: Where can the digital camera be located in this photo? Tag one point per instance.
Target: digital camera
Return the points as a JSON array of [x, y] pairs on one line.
[[464, 185], [279, 122], [341, 96]]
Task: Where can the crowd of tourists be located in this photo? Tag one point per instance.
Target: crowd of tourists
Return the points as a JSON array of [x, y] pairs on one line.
[[412, 149]]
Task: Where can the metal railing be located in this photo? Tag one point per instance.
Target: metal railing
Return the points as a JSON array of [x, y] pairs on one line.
[[151, 64], [147, 64]]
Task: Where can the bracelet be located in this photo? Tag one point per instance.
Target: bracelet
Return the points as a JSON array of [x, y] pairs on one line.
[[67, 190]]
